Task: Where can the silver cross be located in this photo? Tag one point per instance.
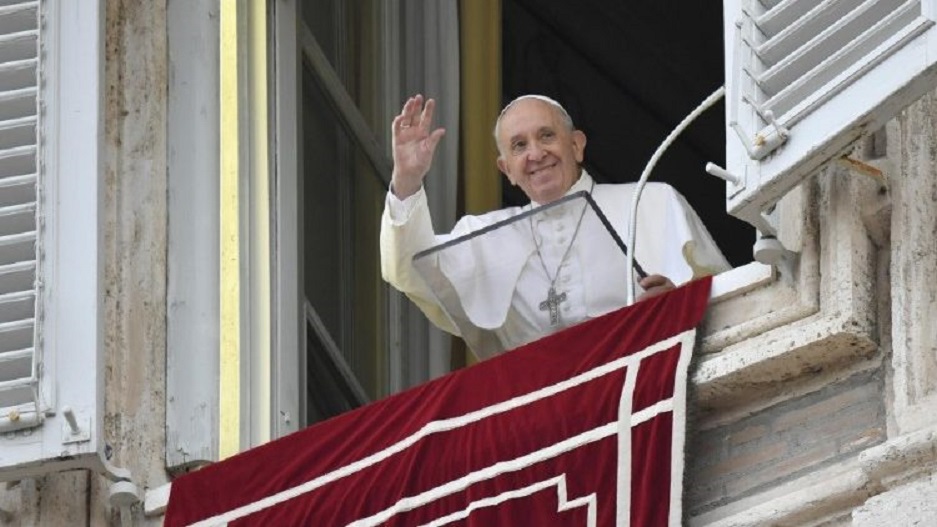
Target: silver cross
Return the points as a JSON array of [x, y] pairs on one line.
[[553, 304]]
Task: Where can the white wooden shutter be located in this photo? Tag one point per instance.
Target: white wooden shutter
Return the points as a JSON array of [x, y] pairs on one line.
[[51, 269], [827, 71], [19, 226]]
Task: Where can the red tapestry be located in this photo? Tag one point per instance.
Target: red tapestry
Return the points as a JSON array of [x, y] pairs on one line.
[[582, 428]]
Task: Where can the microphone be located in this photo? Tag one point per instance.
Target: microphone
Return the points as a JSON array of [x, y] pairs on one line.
[[632, 225]]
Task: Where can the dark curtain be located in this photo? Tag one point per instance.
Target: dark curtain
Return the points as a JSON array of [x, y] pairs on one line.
[[628, 73]]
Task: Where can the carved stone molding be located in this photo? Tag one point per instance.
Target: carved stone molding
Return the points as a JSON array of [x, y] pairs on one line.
[[819, 314]]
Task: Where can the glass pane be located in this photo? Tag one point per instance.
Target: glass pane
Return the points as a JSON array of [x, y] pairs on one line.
[[476, 278], [342, 203]]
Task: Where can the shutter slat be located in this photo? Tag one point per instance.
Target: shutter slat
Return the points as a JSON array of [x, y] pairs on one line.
[[861, 54], [18, 17], [15, 356], [769, 4], [11, 387], [18, 219], [28, 35], [17, 66], [18, 248], [17, 268], [19, 296], [22, 45], [17, 239], [15, 133], [15, 95], [861, 26], [15, 210], [14, 181], [16, 334], [18, 394], [16, 365], [17, 124], [826, 14], [20, 276], [18, 103], [17, 190], [18, 306], [6, 328], [18, 160], [782, 15], [16, 6], [18, 74]]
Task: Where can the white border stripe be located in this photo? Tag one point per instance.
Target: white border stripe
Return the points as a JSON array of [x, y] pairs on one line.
[[443, 425], [677, 405], [514, 465], [678, 430], [503, 467], [623, 481], [563, 504], [651, 412]]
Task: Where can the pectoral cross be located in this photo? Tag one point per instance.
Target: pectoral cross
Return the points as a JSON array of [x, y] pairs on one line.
[[553, 304]]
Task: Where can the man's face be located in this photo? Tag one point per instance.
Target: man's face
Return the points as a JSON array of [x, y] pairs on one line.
[[537, 151]]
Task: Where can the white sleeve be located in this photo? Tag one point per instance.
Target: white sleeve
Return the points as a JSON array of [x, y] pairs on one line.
[[685, 250], [406, 229]]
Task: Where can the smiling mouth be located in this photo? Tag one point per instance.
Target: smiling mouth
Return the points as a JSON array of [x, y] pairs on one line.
[[542, 169]]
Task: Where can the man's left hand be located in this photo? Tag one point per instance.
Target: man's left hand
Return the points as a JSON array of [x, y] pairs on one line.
[[654, 285]]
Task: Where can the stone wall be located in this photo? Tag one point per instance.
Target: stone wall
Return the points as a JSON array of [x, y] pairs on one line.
[[843, 431], [135, 226]]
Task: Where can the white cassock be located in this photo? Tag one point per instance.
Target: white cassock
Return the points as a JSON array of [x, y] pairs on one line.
[[492, 289]]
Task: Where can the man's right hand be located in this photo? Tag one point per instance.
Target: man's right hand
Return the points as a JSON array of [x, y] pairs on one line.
[[413, 145]]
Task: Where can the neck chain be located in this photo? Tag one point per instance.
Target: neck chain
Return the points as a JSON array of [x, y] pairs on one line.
[[552, 302]]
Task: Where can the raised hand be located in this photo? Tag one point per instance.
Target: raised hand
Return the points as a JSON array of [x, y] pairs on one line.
[[413, 145]]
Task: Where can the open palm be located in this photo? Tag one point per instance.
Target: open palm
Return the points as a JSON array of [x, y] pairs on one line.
[[413, 144]]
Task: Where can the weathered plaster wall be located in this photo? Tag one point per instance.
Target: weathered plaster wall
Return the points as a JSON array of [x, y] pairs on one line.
[[135, 227], [914, 265], [908, 505]]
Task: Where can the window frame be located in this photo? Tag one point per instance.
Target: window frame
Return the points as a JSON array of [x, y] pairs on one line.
[[192, 312]]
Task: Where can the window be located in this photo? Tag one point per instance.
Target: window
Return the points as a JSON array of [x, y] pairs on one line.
[[360, 62], [315, 319]]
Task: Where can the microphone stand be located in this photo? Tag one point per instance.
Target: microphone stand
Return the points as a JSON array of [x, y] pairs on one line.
[[632, 225]]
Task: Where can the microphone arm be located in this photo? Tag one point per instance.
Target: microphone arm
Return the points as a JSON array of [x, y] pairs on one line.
[[632, 225]]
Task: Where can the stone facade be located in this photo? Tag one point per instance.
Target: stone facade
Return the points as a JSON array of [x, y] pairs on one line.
[[815, 391]]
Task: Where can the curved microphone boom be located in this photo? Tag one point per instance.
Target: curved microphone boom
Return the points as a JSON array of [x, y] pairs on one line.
[[632, 227]]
